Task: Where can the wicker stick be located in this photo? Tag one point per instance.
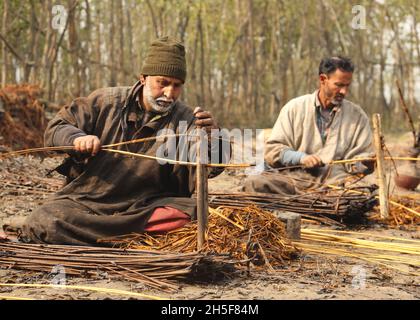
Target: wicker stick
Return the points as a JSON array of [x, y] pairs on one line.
[[381, 176], [202, 193]]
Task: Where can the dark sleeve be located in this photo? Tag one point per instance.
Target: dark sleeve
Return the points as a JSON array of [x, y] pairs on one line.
[[220, 151], [74, 120]]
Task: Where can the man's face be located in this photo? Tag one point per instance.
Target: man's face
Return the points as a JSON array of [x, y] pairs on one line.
[[160, 93], [335, 86]]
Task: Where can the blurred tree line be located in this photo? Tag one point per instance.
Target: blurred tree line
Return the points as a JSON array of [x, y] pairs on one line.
[[246, 58]]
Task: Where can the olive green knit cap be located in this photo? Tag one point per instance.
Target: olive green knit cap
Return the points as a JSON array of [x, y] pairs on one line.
[[166, 57]]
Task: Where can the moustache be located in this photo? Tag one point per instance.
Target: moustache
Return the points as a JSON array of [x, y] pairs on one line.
[[164, 100]]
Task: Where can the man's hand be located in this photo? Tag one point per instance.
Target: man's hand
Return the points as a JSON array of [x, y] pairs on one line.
[[204, 120], [87, 144], [311, 161]]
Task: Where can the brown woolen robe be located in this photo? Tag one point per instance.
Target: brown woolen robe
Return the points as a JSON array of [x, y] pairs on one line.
[[114, 194]]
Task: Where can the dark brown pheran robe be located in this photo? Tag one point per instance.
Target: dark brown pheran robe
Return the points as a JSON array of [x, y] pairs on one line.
[[114, 194]]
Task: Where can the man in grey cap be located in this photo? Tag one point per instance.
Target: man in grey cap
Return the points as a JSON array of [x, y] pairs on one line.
[[110, 194]]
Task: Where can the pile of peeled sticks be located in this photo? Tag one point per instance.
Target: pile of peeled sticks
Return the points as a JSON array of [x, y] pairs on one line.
[[158, 270], [394, 253]]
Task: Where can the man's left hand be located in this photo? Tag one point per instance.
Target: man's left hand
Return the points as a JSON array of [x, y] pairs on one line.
[[204, 120]]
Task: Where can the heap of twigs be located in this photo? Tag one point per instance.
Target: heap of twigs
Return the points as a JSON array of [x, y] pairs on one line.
[[391, 252], [404, 211], [155, 269], [22, 121], [248, 234]]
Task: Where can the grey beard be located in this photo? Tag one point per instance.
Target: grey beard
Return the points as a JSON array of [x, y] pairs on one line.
[[154, 104], [337, 102]]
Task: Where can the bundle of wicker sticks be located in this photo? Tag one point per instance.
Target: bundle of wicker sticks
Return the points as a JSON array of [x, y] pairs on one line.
[[248, 234], [390, 252], [320, 202], [155, 269]]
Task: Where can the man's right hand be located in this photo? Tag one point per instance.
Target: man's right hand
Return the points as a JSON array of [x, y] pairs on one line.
[[311, 161], [87, 144]]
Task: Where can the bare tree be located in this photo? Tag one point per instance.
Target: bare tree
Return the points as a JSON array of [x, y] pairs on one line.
[[4, 52]]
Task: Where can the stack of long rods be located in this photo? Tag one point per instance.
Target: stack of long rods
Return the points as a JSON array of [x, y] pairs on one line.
[[386, 253], [311, 202], [151, 268]]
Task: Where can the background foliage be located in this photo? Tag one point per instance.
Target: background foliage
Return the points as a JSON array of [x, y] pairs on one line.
[[246, 58]]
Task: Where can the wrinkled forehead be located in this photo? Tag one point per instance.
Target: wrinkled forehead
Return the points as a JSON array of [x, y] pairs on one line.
[[167, 80]]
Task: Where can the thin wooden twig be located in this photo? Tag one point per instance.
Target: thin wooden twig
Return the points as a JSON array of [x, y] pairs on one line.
[[380, 169], [407, 112], [84, 288]]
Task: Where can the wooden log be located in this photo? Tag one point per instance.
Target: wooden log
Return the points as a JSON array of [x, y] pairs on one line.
[[292, 221], [380, 168], [202, 191]]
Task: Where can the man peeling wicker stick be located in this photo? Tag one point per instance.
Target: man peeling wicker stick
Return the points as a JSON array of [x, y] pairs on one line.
[[108, 194], [314, 130]]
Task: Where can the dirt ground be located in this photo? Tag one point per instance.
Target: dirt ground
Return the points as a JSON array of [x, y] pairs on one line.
[[309, 277]]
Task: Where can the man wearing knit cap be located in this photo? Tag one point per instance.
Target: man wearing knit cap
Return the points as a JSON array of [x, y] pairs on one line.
[[109, 194]]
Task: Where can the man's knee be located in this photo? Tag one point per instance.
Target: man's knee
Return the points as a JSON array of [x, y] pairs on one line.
[[254, 184], [41, 226]]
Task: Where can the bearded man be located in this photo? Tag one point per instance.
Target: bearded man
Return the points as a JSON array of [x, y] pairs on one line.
[[109, 194], [313, 130]]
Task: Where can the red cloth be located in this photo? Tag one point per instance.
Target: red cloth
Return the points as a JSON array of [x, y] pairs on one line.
[[3, 236], [165, 219]]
